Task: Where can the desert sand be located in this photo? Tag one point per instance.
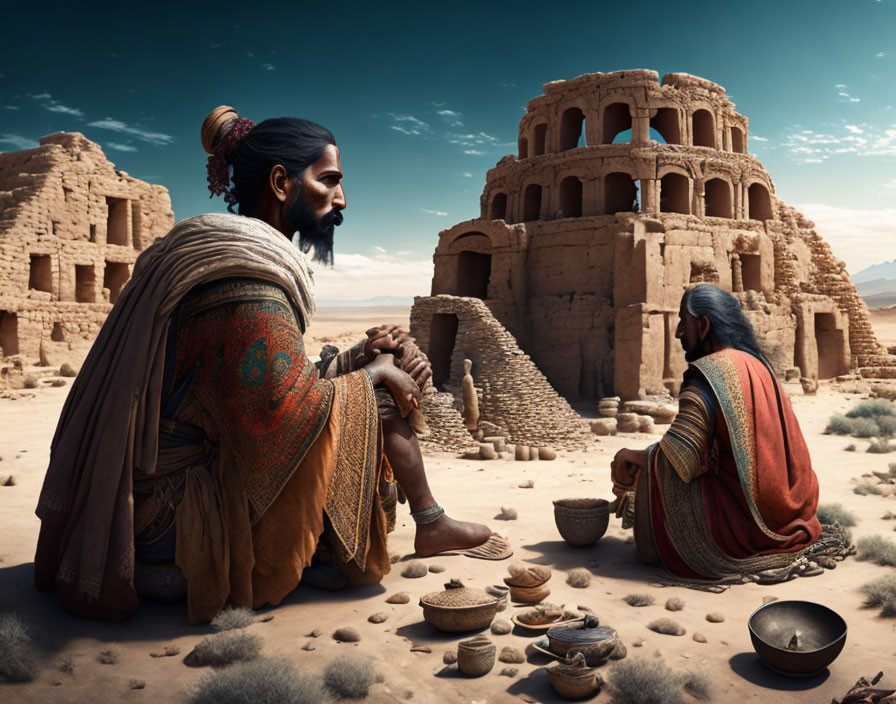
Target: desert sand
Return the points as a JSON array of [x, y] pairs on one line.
[[473, 490]]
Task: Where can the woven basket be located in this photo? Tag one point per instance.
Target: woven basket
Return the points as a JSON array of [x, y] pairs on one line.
[[581, 522], [459, 608], [573, 683], [475, 657]]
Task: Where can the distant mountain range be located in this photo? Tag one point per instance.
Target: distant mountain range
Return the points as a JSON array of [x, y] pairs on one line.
[[877, 284], [375, 302]]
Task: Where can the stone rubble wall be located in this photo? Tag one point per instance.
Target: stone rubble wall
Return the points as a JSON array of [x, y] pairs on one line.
[[446, 425], [515, 395]]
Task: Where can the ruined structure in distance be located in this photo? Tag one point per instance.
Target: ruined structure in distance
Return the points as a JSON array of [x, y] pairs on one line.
[[71, 227], [585, 244]]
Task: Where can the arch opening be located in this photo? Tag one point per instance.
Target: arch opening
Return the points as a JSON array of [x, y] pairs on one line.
[[524, 148], [442, 336], [674, 194], [499, 207], [704, 129], [571, 128], [571, 197], [718, 198], [737, 141], [616, 119], [532, 202], [666, 123], [474, 269], [760, 202], [620, 193], [540, 136]]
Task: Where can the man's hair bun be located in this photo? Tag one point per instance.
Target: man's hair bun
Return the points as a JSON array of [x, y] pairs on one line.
[[216, 126]]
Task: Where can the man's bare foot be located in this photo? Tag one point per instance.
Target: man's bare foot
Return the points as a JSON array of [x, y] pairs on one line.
[[448, 534]]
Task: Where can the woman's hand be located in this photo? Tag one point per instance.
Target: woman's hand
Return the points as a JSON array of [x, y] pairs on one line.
[[402, 387]]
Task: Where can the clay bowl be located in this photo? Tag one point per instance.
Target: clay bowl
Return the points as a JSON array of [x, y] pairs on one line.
[[476, 657], [573, 683], [581, 522], [820, 636], [459, 608]]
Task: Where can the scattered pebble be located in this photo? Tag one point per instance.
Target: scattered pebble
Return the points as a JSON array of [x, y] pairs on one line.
[[699, 637], [378, 617], [10, 481], [449, 657], [308, 646], [507, 513], [667, 627], [501, 627], [137, 684], [512, 655], [170, 651], [421, 649], [399, 598], [394, 557], [436, 569], [674, 604], [638, 642], [56, 383], [266, 619], [315, 633], [715, 617], [414, 570], [346, 634], [528, 485], [30, 381], [768, 599], [578, 578], [510, 671]]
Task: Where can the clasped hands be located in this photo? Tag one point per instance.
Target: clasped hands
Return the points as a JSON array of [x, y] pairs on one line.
[[624, 470], [393, 358]]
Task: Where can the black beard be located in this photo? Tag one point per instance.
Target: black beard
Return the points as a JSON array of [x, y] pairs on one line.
[[698, 351], [314, 232]]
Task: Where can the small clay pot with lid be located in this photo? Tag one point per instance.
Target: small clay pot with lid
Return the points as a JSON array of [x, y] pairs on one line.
[[459, 608], [588, 637]]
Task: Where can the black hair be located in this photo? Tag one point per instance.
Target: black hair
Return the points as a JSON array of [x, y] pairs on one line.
[[728, 326], [292, 142]]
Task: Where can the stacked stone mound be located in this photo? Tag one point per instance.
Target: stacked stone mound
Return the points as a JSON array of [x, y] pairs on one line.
[[71, 227], [514, 394], [446, 426]]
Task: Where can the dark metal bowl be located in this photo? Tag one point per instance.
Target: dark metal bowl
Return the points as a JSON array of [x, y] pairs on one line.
[[797, 638]]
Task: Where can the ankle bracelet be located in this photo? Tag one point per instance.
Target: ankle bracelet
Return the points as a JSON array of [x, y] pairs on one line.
[[427, 515]]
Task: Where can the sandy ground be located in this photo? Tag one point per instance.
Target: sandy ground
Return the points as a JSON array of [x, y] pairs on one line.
[[883, 320], [472, 490]]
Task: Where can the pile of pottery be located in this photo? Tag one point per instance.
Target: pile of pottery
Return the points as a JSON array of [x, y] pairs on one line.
[[527, 584]]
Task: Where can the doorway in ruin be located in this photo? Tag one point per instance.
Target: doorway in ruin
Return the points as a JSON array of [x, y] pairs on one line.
[[474, 269], [442, 336], [617, 118], [571, 129], [499, 207], [9, 333], [540, 136], [717, 194], [704, 129], [40, 275], [751, 271], [674, 194], [115, 276], [85, 288], [620, 193], [571, 197], [524, 148], [532, 202], [760, 202], [117, 221], [737, 141], [666, 123], [831, 344]]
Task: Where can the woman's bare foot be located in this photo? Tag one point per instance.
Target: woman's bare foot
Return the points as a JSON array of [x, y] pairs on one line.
[[447, 534]]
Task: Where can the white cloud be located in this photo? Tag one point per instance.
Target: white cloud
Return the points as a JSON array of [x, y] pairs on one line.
[[440, 213], [408, 124], [881, 54], [452, 117], [847, 98], [11, 107], [379, 250], [18, 141], [474, 152], [467, 174], [357, 276], [157, 139], [855, 129], [117, 146], [860, 237], [757, 138], [269, 67], [55, 106], [809, 146]]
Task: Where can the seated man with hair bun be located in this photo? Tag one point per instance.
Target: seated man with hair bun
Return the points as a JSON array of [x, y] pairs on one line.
[[201, 443]]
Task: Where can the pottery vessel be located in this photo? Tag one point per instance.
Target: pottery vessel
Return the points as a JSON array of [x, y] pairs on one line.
[[476, 656], [459, 608], [586, 636], [581, 522], [573, 679]]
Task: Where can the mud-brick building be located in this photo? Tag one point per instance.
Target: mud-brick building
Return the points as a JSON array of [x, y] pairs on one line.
[[71, 227], [625, 191]]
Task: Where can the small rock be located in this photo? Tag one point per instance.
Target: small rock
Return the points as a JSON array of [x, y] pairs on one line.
[[487, 451], [436, 569], [308, 646], [394, 557], [346, 634], [30, 381], [674, 604], [56, 383], [501, 627], [315, 633], [699, 637], [527, 485], [511, 655], [67, 370], [507, 513], [496, 441], [638, 642], [378, 617], [137, 684], [267, 619], [421, 649], [768, 599], [603, 426], [399, 598], [449, 657], [546, 453], [509, 671], [828, 563], [10, 481], [414, 570], [715, 617]]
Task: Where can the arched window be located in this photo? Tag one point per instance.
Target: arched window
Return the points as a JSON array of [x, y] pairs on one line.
[[760, 202], [674, 196], [499, 206], [620, 193], [524, 148], [541, 133], [704, 129], [571, 128], [571, 197], [666, 123], [717, 192], [737, 141], [532, 202], [616, 119]]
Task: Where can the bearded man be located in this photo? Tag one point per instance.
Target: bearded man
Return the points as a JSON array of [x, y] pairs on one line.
[[201, 443], [729, 490]]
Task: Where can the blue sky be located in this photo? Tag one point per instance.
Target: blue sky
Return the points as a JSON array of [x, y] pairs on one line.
[[424, 99]]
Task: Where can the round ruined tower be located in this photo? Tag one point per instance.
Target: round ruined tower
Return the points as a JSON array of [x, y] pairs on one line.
[[625, 191]]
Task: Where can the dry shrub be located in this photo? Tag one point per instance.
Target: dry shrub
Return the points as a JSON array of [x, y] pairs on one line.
[[137, 684], [263, 681], [872, 409], [674, 604], [108, 656], [835, 513], [838, 425], [18, 659], [697, 684], [67, 665], [864, 487], [877, 549], [579, 578], [864, 428], [640, 681], [881, 593], [229, 619], [851, 447], [226, 648], [349, 677], [638, 599], [667, 627]]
